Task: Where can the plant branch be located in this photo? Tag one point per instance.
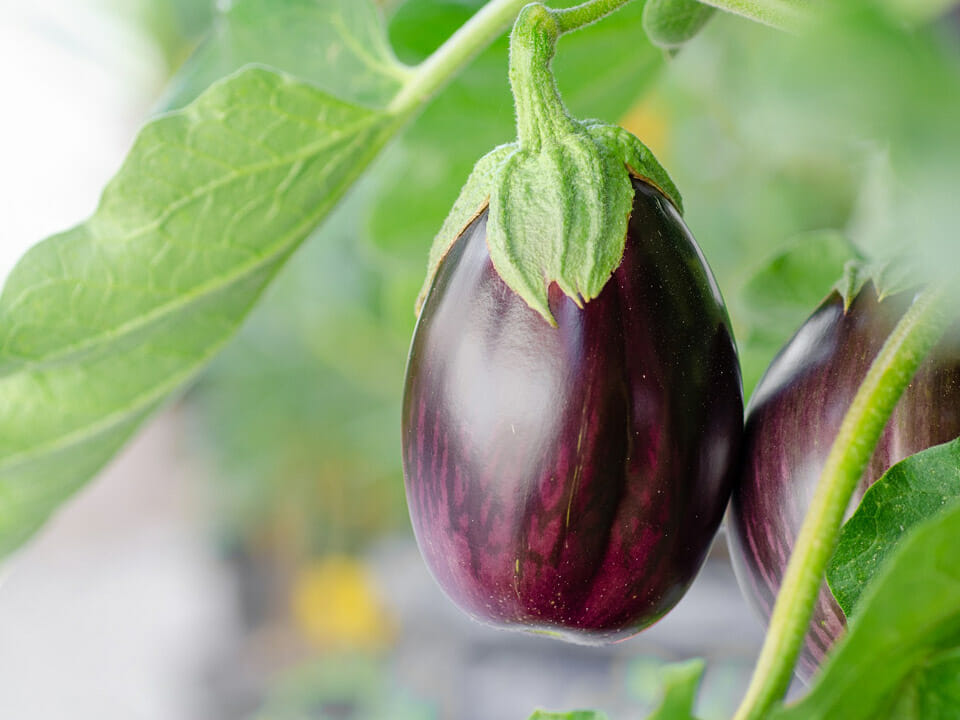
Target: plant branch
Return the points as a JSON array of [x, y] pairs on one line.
[[451, 57], [578, 16], [913, 338], [475, 35]]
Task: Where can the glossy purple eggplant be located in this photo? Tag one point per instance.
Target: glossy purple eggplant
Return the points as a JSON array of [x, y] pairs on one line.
[[569, 479], [792, 420]]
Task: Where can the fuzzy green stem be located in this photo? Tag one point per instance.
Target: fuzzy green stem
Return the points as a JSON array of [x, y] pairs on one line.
[[913, 338], [578, 16], [540, 111], [533, 42], [781, 14]]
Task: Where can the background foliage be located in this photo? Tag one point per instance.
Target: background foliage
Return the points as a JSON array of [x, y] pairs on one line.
[[795, 155]]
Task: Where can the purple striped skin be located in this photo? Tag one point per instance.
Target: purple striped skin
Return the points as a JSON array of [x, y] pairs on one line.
[[792, 420], [569, 480]]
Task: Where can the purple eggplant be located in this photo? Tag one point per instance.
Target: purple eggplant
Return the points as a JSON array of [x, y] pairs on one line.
[[569, 480], [792, 420]]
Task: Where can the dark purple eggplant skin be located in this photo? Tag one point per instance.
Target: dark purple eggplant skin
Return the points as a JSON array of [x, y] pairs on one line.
[[568, 480], [792, 420]]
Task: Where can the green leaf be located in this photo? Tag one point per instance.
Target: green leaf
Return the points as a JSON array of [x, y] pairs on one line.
[[99, 325], [671, 23], [680, 682], [908, 619], [781, 295], [910, 492], [932, 692], [339, 45]]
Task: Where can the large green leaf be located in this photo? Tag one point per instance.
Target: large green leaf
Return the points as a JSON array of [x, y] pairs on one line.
[[898, 659], [932, 692], [339, 45], [680, 684], [910, 492], [100, 324]]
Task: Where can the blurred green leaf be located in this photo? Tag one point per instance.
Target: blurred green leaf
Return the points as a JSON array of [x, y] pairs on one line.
[[932, 692], [680, 682], [907, 103], [339, 45], [910, 492], [780, 296], [174, 25], [100, 324], [346, 686], [671, 23], [903, 639], [574, 715]]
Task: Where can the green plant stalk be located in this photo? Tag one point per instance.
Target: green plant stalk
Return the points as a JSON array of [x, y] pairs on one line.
[[473, 36], [913, 338], [576, 17], [533, 41], [451, 57]]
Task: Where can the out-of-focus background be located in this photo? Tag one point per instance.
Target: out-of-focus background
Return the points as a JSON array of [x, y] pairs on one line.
[[249, 554]]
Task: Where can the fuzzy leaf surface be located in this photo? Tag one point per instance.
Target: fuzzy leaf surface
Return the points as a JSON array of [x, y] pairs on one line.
[[339, 45], [100, 324]]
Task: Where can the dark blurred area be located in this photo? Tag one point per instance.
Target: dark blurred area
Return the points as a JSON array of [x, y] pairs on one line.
[[296, 590]]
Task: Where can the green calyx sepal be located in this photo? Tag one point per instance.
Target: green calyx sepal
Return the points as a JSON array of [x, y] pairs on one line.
[[888, 277], [472, 201], [556, 214]]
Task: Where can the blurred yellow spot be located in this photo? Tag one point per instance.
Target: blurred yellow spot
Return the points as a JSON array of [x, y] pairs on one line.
[[336, 606], [647, 121]]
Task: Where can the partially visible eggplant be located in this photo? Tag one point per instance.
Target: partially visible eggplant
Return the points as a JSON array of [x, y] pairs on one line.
[[792, 420], [570, 479]]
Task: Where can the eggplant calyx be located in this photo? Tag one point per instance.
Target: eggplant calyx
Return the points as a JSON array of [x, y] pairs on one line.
[[560, 198], [888, 277]]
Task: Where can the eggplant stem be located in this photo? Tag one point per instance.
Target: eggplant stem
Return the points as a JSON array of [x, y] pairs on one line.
[[911, 341]]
